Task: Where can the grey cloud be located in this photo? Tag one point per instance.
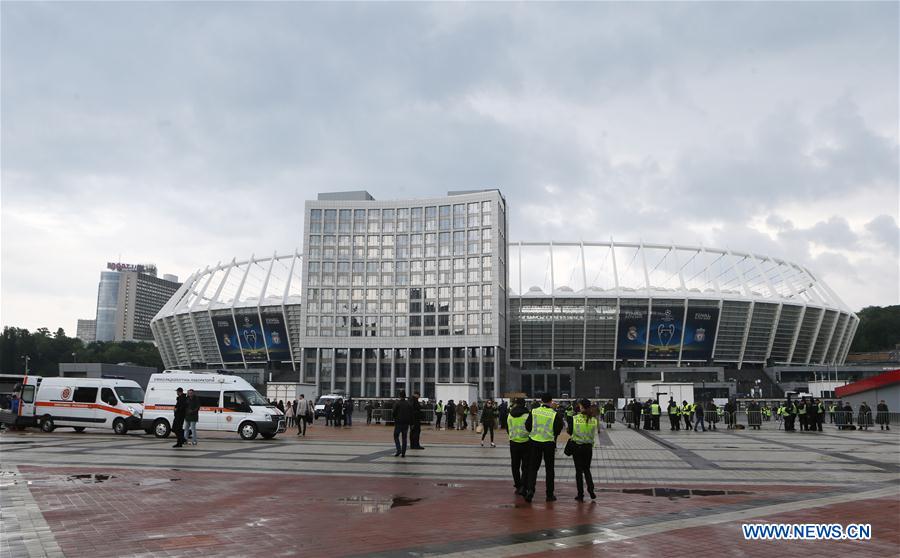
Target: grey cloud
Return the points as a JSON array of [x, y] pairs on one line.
[[884, 228]]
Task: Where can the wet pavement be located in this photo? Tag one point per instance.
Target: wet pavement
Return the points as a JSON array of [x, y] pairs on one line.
[[342, 493]]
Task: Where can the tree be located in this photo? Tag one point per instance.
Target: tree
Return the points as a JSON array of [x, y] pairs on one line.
[[46, 351], [879, 329]]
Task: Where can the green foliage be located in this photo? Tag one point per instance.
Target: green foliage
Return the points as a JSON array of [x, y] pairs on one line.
[[879, 329], [46, 350]]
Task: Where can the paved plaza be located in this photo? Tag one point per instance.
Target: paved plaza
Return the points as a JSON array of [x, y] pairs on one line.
[[341, 492]]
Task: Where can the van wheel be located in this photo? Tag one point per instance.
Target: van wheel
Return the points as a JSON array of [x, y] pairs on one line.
[[161, 428], [268, 435], [47, 425], [248, 431], [119, 426], [78, 429]]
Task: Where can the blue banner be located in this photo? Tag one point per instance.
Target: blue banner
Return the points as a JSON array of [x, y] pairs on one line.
[[276, 337], [666, 324], [227, 338], [700, 333], [251, 338], [632, 332]]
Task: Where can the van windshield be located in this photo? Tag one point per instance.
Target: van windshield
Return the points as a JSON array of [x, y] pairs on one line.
[[326, 400], [130, 394], [253, 397]]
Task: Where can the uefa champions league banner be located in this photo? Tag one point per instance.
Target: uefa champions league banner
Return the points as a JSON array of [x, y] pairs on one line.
[[632, 332], [700, 333], [251, 338], [227, 338], [276, 337], [666, 323]]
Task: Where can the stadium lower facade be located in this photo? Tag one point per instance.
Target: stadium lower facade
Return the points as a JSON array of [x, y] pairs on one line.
[[404, 294]]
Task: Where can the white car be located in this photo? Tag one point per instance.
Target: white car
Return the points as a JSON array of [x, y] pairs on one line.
[[227, 403]]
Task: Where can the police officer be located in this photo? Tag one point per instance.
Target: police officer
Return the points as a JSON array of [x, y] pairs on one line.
[[654, 414], [686, 411], [674, 416], [583, 432], [518, 443], [544, 424]]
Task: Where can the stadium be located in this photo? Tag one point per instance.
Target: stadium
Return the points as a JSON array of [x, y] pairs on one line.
[[574, 318]]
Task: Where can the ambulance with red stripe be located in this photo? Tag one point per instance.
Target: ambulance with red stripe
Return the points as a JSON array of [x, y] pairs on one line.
[[80, 403], [228, 403]]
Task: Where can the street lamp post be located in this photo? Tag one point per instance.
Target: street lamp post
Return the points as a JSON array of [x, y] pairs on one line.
[[75, 357], [27, 360]]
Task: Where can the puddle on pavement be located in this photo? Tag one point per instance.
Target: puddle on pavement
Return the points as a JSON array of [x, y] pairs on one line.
[[155, 482], [9, 478], [672, 493], [369, 504]]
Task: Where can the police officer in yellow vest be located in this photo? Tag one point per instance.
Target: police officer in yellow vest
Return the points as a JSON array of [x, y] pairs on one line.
[[519, 447], [584, 431], [654, 414], [544, 424]]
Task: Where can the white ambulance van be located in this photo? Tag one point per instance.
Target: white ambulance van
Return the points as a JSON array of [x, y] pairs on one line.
[[81, 403], [227, 403]]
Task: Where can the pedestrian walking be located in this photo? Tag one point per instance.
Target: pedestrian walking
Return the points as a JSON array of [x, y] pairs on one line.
[[674, 416], [544, 425], [305, 414], [178, 418], [488, 416], [415, 425], [518, 443], [368, 412], [461, 411], [402, 413], [191, 417], [473, 414], [584, 432], [289, 415], [337, 413]]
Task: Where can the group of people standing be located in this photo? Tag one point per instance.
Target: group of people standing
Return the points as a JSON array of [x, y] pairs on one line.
[[532, 441]]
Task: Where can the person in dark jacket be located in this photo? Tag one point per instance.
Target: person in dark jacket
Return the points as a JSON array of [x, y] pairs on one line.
[[502, 413], [450, 411], [403, 416], [337, 412], [368, 412], [883, 415], [636, 409], [348, 412], [191, 417], [415, 426], [488, 416], [518, 443], [181, 406]]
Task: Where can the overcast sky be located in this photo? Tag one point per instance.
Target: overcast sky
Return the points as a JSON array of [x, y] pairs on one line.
[[188, 134]]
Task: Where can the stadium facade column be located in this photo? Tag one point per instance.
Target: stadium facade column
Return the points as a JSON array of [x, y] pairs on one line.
[[377, 372], [481, 392]]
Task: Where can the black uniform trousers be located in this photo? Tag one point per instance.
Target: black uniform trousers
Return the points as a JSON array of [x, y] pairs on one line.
[[178, 429], [582, 458], [415, 432], [518, 455], [545, 451], [674, 422]]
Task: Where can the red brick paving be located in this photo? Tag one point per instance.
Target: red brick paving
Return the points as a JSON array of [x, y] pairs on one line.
[[726, 539], [225, 513]]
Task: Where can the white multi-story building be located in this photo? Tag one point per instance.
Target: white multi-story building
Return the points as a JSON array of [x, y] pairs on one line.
[[401, 294]]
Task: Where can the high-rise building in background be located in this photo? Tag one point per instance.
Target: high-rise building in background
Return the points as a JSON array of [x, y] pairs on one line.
[[127, 299], [86, 330]]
